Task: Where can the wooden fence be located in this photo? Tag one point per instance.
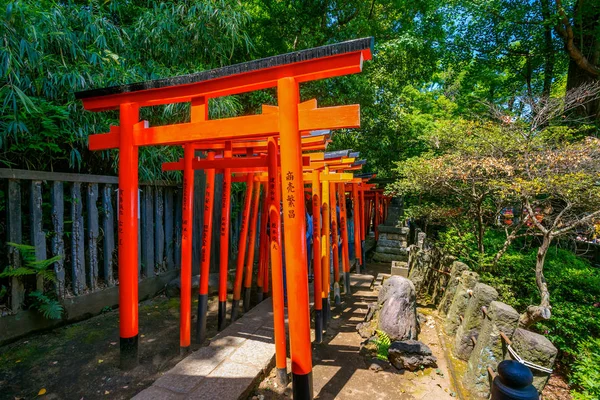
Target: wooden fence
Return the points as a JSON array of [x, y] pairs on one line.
[[73, 216]]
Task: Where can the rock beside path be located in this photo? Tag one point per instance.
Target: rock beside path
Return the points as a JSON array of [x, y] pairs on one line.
[[398, 314], [411, 355]]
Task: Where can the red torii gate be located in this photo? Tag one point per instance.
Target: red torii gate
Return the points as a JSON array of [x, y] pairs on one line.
[[284, 72]]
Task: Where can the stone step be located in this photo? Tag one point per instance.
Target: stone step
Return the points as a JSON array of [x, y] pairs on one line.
[[391, 243], [401, 251], [394, 236], [393, 229], [385, 257]]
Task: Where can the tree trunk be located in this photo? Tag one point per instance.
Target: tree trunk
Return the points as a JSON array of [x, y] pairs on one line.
[[480, 229], [585, 28], [541, 312], [548, 49]]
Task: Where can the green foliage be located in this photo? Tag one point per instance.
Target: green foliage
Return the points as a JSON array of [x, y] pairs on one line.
[[31, 266], [574, 286], [586, 374], [383, 344], [52, 49], [48, 307]]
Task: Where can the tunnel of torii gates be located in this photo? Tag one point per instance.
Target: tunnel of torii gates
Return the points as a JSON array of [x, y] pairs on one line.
[[264, 150]]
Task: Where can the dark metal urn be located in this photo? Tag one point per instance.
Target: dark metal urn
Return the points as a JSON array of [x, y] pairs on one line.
[[513, 382]]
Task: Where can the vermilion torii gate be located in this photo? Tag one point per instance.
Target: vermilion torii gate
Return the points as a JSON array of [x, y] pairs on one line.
[[224, 163], [285, 72]]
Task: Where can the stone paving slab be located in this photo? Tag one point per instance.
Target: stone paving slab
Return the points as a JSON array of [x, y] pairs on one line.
[[228, 368], [233, 363]]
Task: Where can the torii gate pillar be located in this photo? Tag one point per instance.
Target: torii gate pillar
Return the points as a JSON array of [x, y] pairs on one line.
[[128, 237], [294, 225]]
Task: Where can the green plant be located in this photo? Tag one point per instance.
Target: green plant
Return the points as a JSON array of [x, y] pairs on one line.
[[31, 266], [49, 307], [586, 375], [383, 344]]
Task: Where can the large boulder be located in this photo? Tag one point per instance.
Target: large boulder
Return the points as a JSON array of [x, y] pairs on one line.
[[411, 355], [398, 314]]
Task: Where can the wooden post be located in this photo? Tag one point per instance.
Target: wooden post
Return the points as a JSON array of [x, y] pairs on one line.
[[147, 232], [317, 282], [344, 230], [363, 228], [169, 235], [224, 237], [251, 246], [17, 290], [92, 236], [109, 235], [357, 227], [239, 272], [159, 230], [263, 245], [295, 238], [276, 265], [186, 249], [377, 210], [205, 252], [58, 243], [334, 243], [326, 251], [77, 241], [128, 237], [38, 236]]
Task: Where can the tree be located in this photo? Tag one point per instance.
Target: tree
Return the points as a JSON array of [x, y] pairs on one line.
[[460, 172], [579, 29], [539, 163]]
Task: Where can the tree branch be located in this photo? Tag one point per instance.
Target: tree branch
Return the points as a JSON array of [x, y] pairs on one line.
[[566, 31]]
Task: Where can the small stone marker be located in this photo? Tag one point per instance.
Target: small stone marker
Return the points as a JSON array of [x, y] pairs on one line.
[[536, 349], [399, 268], [468, 280], [499, 318], [483, 295]]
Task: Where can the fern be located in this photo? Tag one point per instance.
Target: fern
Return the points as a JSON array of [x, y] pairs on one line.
[[16, 272], [383, 343], [50, 308]]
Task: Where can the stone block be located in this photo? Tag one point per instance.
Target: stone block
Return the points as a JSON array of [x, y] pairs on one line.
[[156, 393], [483, 295], [231, 382], [411, 355], [500, 318], [456, 270], [254, 352], [385, 257], [398, 314], [537, 349], [399, 268], [468, 280], [390, 243], [401, 251], [393, 229]]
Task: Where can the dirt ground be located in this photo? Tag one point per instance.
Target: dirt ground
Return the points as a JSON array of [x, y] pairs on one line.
[[80, 361], [341, 369]]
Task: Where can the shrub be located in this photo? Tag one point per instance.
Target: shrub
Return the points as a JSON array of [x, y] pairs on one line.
[[586, 374]]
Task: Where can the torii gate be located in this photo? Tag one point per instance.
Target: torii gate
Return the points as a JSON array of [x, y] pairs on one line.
[[227, 165], [315, 170], [285, 72]]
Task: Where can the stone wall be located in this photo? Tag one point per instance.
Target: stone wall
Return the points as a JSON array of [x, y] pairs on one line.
[[481, 328]]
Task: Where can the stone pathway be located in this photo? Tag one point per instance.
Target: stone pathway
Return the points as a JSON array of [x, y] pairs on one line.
[[228, 368], [341, 370]]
